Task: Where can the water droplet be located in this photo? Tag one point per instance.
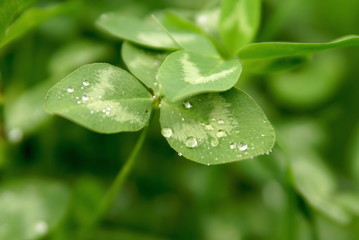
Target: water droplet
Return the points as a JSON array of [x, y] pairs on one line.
[[78, 102], [85, 83], [191, 142], [156, 83], [214, 142], [242, 146], [220, 122], [70, 90], [233, 146], [208, 127], [15, 135], [262, 135], [179, 154], [182, 119], [187, 105], [85, 98], [166, 132], [41, 227], [221, 134], [156, 76]]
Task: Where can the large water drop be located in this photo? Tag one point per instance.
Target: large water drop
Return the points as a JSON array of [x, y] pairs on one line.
[[191, 142], [242, 146], [167, 132]]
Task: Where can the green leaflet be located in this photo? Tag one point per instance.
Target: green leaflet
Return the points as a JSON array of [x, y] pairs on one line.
[[184, 73], [239, 22], [286, 49], [143, 63], [153, 35], [217, 128], [32, 208], [101, 97], [31, 19]]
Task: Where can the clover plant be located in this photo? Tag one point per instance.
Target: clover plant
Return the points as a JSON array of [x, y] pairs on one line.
[[185, 67], [176, 67]]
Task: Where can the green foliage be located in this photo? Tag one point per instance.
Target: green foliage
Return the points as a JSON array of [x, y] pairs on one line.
[[197, 74], [239, 22], [190, 69], [31, 209], [101, 97], [217, 128]]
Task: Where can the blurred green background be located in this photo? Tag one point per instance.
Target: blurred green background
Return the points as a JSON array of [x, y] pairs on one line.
[[53, 173]]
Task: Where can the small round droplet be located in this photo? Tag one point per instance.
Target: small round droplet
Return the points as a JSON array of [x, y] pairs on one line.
[[242, 146], [220, 122], [191, 142], [233, 146], [70, 90], [208, 127], [187, 105], [221, 134], [166, 132], [214, 142], [85, 83], [182, 119], [85, 98], [179, 154]]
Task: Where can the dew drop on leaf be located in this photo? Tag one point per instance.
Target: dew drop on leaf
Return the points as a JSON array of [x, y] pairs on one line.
[[214, 142], [242, 146], [191, 142], [208, 127], [221, 134], [179, 154], [85, 83], [187, 105], [233, 146], [220, 122], [166, 132], [85, 98], [70, 90]]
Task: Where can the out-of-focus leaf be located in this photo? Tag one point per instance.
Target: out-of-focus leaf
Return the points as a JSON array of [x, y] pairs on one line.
[[152, 35], [286, 49], [8, 11], [31, 19], [184, 74], [239, 22], [311, 85], [30, 209], [101, 97], [26, 113], [312, 178], [217, 128], [143, 63], [75, 54]]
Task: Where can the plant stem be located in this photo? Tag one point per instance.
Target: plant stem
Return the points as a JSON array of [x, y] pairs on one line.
[[116, 186]]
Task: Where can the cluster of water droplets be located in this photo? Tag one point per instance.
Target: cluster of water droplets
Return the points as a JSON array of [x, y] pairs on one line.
[[83, 98]]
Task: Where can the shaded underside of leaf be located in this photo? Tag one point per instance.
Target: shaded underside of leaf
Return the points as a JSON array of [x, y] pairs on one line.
[[239, 22], [269, 65], [184, 73], [285, 49], [216, 128], [101, 97], [143, 63]]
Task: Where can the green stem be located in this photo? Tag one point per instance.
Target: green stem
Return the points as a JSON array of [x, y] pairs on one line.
[[116, 186]]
